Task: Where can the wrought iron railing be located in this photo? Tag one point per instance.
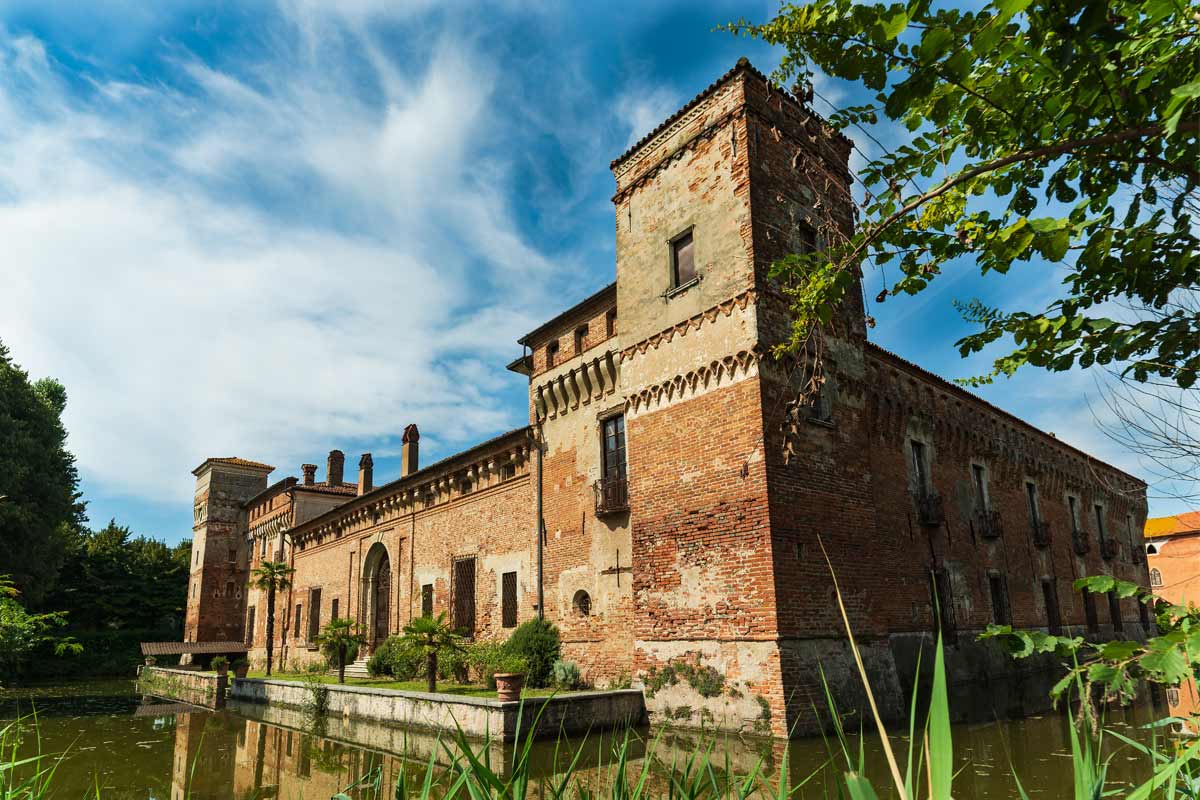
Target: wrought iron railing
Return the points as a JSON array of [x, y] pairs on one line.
[[1109, 548], [612, 495], [990, 524], [929, 508], [1041, 532]]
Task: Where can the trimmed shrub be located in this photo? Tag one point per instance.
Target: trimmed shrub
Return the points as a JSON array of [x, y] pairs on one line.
[[566, 675], [396, 659], [538, 643]]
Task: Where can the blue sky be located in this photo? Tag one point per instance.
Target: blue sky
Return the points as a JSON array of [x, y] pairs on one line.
[[271, 229]]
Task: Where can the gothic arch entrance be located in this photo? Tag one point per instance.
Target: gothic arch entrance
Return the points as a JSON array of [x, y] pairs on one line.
[[377, 595]]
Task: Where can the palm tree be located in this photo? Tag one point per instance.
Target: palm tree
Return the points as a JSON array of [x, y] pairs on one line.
[[271, 577], [432, 636], [336, 639]]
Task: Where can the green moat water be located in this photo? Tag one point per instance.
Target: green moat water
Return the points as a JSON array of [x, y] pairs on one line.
[[151, 749]]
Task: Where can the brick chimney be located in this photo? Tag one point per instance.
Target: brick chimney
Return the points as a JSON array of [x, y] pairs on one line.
[[365, 468], [408, 451], [310, 473], [333, 473]]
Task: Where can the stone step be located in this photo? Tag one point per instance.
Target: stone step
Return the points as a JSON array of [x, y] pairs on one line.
[[356, 670]]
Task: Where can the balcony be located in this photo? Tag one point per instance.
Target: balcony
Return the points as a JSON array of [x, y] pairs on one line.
[[1109, 548], [989, 524], [1041, 533], [1080, 541], [612, 495], [929, 508]]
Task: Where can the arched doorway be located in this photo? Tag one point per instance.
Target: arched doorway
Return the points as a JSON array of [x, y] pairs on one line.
[[377, 595]]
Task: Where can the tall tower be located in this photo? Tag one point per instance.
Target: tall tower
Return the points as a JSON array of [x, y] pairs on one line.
[[741, 175], [220, 558]]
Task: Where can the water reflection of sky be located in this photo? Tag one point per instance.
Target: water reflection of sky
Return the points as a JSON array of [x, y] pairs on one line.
[[113, 737]]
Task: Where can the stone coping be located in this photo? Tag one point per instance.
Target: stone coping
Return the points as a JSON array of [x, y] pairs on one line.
[[444, 697]]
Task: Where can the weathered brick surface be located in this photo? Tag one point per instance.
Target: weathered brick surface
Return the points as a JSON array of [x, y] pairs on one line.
[[736, 494]]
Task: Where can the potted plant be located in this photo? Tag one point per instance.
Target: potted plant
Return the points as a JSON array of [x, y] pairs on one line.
[[221, 665], [240, 667], [151, 661], [510, 677]]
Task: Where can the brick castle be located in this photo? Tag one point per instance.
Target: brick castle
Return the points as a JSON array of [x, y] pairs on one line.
[[686, 498]]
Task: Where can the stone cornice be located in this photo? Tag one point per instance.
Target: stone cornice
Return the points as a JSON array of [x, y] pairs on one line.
[[739, 301], [708, 377]]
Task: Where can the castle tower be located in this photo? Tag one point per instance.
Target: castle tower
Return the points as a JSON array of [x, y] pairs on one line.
[[739, 177], [220, 558]]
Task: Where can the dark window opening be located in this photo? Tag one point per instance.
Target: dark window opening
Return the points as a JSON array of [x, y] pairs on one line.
[[1089, 612], [298, 620], [1100, 531], [1144, 616], [465, 487], [250, 626], [463, 591], [1001, 613], [1073, 507], [1053, 615], [610, 322], [551, 354], [508, 600], [683, 264], [314, 614], [920, 472], [614, 447], [1114, 611], [427, 600], [508, 472], [1155, 578], [806, 240], [1031, 498], [582, 603], [943, 602], [333, 608], [580, 338], [980, 478]]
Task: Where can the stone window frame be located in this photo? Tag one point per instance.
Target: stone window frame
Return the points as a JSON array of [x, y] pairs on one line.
[[1033, 500], [1073, 503], [580, 337], [1100, 514], [674, 287], [980, 484], [1156, 580], [552, 351], [920, 476]]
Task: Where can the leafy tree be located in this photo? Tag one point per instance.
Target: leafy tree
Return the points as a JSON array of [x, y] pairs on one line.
[[22, 633], [39, 497], [434, 638], [1062, 133], [1116, 667], [337, 639], [537, 641], [271, 577]]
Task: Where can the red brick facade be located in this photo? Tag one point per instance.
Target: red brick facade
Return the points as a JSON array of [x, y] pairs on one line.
[[688, 503]]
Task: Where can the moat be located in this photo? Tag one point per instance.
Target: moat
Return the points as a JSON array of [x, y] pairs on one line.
[[136, 747]]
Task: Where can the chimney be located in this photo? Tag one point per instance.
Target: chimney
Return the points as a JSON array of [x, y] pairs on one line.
[[310, 473], [333, 473], [365, 468], [408, 451]]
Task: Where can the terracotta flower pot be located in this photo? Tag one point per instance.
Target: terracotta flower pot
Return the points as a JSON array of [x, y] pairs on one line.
[[241, 672], [222, 672], [509, 685]]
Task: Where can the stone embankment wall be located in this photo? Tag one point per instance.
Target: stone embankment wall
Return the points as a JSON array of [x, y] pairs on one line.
[[198, 688]]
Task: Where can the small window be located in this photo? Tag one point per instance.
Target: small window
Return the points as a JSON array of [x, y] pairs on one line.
[[1114, 611], [683, 264], [465, 487], [1151, 550], [551, 354], [1100, 531], [1032, 500], [193, 590], [1073, 508], [1089, 612], [508, 472], [1053, 615], [1155, 579], [580, 338], [614, 447], [314, 614], [1001, 613], [299, 619], [920, 472], [610, 322], [806, 239], [250, 626], [1144, 616], [333, 608], [427, 600], [979, 477], [508, 600], [582, 603], [430, 500]]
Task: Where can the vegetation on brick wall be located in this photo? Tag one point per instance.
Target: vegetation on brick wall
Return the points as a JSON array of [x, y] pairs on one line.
[[704, 678]]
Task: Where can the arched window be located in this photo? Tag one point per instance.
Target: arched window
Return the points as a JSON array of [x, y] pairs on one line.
[[1155, 578], [1151, 550], [582, 603]]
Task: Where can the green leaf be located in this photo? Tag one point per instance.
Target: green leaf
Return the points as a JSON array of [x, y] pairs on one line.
[[895, 26]]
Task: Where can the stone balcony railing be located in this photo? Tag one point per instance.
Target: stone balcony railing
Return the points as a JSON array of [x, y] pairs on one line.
[[989, 523]]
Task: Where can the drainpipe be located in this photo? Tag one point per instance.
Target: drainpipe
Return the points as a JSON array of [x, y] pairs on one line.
[[541, 526]]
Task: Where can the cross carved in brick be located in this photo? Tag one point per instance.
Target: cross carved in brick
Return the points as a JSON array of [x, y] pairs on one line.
[[616, 570]]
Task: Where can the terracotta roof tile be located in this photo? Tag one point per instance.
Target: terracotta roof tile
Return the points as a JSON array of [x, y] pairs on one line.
[[324, 488], [1177, 525], [241, 462]]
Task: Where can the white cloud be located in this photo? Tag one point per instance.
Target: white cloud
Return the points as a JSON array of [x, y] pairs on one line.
[[156, 263], [642, 108]]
